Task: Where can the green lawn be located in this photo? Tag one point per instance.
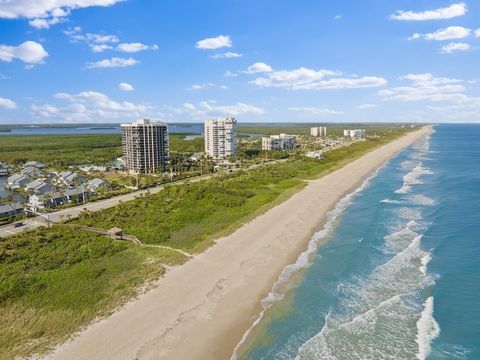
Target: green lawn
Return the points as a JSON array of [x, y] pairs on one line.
[[55, 280]]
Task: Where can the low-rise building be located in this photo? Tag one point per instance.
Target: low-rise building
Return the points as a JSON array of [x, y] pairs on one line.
[[31, 171], [39, 187], [279, 142], [36, 164], [355, 134], [46, 201], [90, 168], [4, 169], [70, 179], [10, 210], [17, 181], [318, 131], [79, 193], [96, 184]]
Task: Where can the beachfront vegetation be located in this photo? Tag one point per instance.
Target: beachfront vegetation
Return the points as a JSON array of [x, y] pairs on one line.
[[54, 280], [190, 216]]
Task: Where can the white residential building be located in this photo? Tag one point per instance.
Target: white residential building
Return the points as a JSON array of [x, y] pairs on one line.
[[36, 164], [220, 138], [318, 131], [145, 146], [10, 210], [4, 169], [17, 181], [279, 142], [355, 134], [96, 184]]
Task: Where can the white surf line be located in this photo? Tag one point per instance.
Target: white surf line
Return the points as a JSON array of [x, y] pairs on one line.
[[303, 261]]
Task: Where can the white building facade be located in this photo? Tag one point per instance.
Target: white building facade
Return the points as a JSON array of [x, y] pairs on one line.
[[145, 146], [355, 134], [279, 142], [220, 138], [318, 131]]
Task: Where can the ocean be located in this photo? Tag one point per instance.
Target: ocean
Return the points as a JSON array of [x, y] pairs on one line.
[[399, 277]]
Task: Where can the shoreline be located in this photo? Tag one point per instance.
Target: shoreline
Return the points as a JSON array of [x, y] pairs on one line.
[[203, 308]]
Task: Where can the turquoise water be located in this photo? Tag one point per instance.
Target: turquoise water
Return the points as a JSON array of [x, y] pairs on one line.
[[400, 276]]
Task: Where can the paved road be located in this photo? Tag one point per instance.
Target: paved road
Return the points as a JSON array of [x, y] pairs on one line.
[[72, 212]]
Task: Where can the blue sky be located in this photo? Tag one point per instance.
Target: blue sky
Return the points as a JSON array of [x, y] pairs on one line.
[[263, 60]]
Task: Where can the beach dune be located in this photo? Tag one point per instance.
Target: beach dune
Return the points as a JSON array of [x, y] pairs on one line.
[[200, 310]]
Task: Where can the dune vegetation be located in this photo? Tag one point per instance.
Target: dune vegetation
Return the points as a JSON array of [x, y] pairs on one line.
[[55, 280]]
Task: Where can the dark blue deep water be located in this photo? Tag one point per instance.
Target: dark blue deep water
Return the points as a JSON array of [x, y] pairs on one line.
[[400, 276]]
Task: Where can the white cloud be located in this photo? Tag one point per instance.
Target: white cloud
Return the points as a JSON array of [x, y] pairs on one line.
[[101, 42], [337, 17], [7, 104], [259, 67], [214, 43], [230, 74], [450, 93], [45, 23], [135, 47], [207, 85], [226, 55], [125, 86], [44, 13], [91, 106], [477, 33], [308, 79], [449, 33], [315, 111], [29, 52], [206, 109], [114, 62], [449, 12], [367, 106], [426, 87], [98, 48], [92, 39], [447, 49]]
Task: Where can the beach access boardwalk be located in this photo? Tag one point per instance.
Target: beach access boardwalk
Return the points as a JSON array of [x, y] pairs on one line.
[[201, 309]]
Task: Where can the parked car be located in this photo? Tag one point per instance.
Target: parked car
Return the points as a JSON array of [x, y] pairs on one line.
[[18, 224]]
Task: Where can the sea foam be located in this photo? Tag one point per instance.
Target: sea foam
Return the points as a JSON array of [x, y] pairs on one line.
[[304, 260], [427, 330]]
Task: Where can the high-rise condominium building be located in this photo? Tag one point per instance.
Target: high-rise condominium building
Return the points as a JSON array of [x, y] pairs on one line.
[[318, 131], [220, 138], [145, 146]]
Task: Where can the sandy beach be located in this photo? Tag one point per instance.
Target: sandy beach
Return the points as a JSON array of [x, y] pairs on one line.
[[200, 310]]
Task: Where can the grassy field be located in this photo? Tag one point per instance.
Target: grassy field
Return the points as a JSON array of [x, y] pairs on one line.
[[52, 281], [61, 151], [55, 280]]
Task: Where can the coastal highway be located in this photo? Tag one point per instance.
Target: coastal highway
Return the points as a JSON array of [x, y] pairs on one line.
[[73, 212]]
